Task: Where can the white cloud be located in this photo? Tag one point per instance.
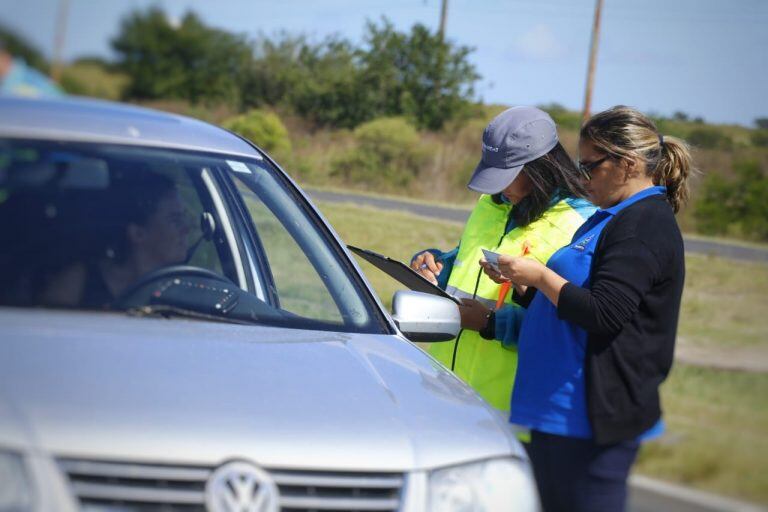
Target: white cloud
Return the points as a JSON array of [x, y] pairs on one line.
[[538, 43]]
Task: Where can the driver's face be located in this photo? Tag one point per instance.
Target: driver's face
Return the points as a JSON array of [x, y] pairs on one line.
[[167, 232]]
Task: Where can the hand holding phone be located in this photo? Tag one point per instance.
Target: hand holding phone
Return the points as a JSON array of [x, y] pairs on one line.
[[492, 258]]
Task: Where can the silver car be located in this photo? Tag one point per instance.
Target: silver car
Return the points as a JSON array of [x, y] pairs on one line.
[[181, 330]]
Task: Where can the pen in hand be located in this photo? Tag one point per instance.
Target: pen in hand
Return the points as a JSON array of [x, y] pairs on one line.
[[428, 266]]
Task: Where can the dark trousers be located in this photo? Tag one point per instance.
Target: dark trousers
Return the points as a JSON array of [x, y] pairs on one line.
[[576, 475]]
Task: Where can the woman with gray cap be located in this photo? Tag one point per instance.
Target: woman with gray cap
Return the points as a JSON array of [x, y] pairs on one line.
[[531, 204]]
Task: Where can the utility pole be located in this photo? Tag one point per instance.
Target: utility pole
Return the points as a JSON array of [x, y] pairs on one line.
[[441, 49], [443, 16], [592, 59], [58, 43], [440, 67]]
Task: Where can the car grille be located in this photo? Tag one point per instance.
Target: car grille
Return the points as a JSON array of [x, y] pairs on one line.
[[108, 486]]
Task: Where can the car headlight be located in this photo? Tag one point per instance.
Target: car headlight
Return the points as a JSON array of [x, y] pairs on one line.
[[495, 485], [15, 485]]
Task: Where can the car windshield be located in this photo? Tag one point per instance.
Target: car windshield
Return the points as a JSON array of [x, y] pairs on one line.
[[105, 227]]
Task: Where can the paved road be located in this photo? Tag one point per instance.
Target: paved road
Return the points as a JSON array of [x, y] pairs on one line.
[[650, 495], [721, 249]]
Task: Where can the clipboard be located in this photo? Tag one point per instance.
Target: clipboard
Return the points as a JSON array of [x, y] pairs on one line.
[[401, 273]]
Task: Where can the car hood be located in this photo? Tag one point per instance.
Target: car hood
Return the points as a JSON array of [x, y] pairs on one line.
[[109, 386]]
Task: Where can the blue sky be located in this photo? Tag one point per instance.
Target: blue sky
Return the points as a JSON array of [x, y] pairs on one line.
[[707, 58]]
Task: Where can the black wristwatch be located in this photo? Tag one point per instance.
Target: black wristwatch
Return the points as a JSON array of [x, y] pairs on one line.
[[489, 331]]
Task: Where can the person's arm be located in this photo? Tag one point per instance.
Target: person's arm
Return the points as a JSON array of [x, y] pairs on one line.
[[531, 273], [507, 323], [624, 273], [523, 299], [502, 325]]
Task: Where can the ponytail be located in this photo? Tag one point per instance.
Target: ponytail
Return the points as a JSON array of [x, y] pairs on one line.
[[672, 170]]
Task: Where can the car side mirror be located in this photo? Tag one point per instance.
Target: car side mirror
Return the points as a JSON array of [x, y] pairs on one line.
[[425, 317]]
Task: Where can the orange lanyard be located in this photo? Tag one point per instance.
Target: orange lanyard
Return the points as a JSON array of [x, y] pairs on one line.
[[505, 286]]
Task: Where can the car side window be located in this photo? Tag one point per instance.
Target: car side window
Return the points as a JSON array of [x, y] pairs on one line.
[[298, 286]]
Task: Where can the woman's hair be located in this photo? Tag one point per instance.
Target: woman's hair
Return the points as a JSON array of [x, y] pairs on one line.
[[134, 199], [624, 133], [552, 174]]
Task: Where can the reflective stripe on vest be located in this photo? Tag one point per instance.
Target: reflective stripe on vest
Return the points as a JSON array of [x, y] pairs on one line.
[[485, 365]]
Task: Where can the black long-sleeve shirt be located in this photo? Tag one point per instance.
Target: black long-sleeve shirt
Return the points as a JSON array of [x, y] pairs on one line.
[[630, 312]]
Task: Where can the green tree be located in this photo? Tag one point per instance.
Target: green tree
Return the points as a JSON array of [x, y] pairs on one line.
[[331, 91], [275, 70], [416, 74], [762, 122], [190, 61]]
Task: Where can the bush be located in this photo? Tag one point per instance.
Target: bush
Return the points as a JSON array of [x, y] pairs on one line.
[[264, 129], [564, 118], [93, 79], [753, 208], [386, 155], [735, 206], [710, 138], [760, 138], [713, 211]]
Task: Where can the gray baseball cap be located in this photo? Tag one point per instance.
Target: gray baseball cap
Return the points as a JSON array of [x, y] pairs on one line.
[[515, 137]]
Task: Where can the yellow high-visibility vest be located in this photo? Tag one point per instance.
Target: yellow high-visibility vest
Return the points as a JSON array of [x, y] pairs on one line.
[[486, 365]]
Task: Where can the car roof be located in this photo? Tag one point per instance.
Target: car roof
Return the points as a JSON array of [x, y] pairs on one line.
[[90, 120]]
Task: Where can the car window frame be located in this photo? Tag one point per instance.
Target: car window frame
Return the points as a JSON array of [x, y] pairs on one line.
[[379, 318]]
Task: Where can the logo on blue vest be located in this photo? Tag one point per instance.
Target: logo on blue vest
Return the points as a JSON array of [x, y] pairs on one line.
[[581, 245]]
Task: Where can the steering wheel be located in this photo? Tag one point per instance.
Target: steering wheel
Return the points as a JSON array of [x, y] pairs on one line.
[[170, 271]]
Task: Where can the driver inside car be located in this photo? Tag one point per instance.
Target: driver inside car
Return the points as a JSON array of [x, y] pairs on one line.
[[143, 225]]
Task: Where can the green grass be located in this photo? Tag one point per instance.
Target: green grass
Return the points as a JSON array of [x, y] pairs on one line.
[[716, 419], [715, 439], [724, 303]]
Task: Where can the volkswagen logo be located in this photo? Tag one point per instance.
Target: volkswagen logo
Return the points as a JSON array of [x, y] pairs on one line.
[[240, 486]]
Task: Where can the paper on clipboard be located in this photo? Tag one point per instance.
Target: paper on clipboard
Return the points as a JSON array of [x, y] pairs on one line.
[[401, 273]]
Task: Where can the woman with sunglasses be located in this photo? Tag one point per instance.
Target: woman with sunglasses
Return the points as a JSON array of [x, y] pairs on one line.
[[598, 336]]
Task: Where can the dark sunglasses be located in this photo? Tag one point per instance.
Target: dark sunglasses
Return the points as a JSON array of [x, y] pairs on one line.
[[586, 168]]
